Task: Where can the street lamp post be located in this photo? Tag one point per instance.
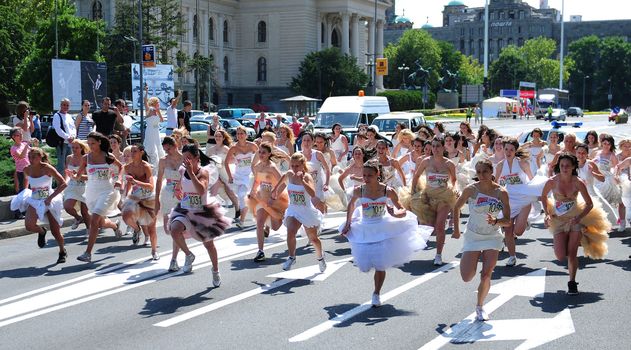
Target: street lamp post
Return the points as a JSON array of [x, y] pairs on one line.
[[370, 63], [610, 95], [141, 64], [584, 79], [403, 69]]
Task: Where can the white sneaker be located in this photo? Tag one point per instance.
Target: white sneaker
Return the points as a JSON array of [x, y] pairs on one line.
[[623, 225], [480, 314], [438, 260], [288, 263], [216, 279], [376, 300], [188, 263], [155, 256], [512, 261], [75, 224], [322, 264], [117, 230], [173, 266]]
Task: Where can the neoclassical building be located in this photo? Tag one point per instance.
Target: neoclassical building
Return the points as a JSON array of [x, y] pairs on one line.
[[258, 45]]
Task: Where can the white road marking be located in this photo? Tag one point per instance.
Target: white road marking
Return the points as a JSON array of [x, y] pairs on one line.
[[329, 324], [310, 273]]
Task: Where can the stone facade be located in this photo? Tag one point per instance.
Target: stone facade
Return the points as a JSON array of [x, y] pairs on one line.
[[266, 40], [511, 22]]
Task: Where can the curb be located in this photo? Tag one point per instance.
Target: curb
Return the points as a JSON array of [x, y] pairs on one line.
[[16, 228]]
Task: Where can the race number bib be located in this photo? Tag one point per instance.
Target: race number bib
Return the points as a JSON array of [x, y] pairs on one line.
[[140, 192], [374, 209], [488, 204], [40, 193], [102, 174], [563, 207], [510, 179], [244, 162], [266, 186], [191, 201], [437, 180], [297, 198]]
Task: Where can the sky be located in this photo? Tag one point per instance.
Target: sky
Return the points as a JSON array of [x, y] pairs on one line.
[[591, 10]]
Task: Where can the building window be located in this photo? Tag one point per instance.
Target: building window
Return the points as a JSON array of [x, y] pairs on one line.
[[226, 70], [511, 15], [322, 33], [461, 45], [262, 31], [481, 31], [520, 42], [230, 100], [500, 44], [335, 38], [195, 27], [225, 31], [261, 69], [519, 29], [461, 31], [510, 41], [211, 29], [97, 10], [521, 14]]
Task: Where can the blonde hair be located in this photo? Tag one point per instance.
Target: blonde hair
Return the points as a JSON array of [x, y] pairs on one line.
[[84, 146], [41, 153], [269, 134], [290, 133], [405, 134], [127, 151], [153, 102], [628, 141], [299, 157]]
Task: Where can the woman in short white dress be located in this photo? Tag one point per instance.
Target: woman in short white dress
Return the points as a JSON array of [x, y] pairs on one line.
[[74, 194], [610, 188], [318, 169], [241, 153], [489, 210], [168, 187], [196, 215], [102, 193], [381, 236], [301, 212], [152, 143], [218, 153], [40, 201], [339, 144]]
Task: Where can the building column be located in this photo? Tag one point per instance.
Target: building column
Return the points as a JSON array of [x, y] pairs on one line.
[[355, 38], [328, 26], [371, 33], [345, 32], [379, 50], [319, 32], [220, 54]]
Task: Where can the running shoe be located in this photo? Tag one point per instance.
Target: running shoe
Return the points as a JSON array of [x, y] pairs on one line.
[[289, 263], [129, 231], [173, 266], [260, 256], [155, 256], [146, 241], [41, 238], [117, 231], [238, 223], [376, 300], [480, 314], [512, 261], [188, 263], [622, 225], [237, 215], [572, 288], [85, 257], [76, 223], [135, 237], [438, 260], [216, 279], [62, 257], [322, 264]]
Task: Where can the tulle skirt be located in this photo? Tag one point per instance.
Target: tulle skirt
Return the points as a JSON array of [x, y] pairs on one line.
[[426, 206], [594, 228], [610, 190], [23, 200], [520, 196], [143, 209], [335, 197], [308, 216], [204, 225], [102, 201], [386, 243]]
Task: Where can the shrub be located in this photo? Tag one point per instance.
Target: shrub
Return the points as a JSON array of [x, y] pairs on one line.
[[7, 166], [405, 100]]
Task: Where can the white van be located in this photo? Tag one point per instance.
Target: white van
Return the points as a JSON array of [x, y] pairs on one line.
[[387, 123], [350, 111]]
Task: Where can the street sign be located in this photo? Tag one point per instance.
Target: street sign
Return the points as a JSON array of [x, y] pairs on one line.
[[472, 93], [527, 84], [149, 55], [527, 93], [509, 93], [382, 66]]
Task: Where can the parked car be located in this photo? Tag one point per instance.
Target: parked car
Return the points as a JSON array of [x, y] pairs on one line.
[[558, 114], [45, 121], [233, 113], [198, 131], [574, 112], [561, 129], [4, 130], [386, 123]]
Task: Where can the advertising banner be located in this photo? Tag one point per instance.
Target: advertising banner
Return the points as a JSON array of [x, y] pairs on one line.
[[78, 81], [159, 79]]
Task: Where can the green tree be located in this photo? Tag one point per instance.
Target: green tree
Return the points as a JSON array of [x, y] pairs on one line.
[[329, 73], [79, 39], [14, 45], [471, 71], [414, 46], [613, 75], [585, 54], [507, 70]]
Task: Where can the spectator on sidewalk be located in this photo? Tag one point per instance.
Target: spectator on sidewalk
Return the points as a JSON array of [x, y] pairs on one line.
[[19, 152], [184, 116], [23, 120], [68, 132], [37, 126], [106, 118], [83, 121], [172, 113]]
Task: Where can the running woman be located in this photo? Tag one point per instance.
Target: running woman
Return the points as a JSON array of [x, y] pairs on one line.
[[301, 212], [489, 210], [74, 194], [218, 152], [317, 168], [40, 201], [241, 153], [381, 236]]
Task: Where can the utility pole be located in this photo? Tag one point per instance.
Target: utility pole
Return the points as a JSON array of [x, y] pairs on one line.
[[486, 57], [56, 33], [374, 54], [141, 66], [562, 44]]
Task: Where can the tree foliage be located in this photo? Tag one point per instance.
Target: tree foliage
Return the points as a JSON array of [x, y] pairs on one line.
[[79, 39], [329, 73], [14, 43]]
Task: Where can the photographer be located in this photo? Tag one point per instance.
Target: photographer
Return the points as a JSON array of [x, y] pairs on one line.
[[24, 120]]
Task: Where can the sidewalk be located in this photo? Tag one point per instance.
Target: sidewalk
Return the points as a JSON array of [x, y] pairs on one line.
[[15, 228]]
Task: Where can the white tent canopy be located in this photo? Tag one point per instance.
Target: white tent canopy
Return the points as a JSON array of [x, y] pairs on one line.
[[492, 106]]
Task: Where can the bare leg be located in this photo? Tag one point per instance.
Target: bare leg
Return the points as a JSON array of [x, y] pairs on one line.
[[439, 227], [293, 226], [380, 277], [69, 207], [96, 222], [261, 217], [489, 259], [212, 253], [86, 215], [30, 221], [177, 233], [176, 249], [55, 230], [469, 265], [312, 233], [574, 240]]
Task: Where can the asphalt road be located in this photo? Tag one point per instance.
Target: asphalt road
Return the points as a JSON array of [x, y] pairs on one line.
[[123, 300]]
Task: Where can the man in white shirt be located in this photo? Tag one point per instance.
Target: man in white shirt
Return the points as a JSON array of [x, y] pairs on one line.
[[172, 113], [68, 133]]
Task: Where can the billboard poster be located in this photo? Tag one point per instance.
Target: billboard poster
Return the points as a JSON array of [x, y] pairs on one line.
[[159, 79], [93, 82], [66, 76]]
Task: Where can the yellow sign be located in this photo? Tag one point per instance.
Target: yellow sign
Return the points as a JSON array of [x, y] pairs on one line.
[[382, 66]]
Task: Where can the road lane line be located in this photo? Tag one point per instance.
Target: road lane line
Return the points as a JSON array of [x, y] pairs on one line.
[[329, 324]]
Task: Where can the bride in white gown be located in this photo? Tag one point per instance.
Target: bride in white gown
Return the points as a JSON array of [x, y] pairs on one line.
[[152, 143]]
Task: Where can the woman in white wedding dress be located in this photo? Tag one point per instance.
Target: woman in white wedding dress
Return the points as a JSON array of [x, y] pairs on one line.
[[152, 144]]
